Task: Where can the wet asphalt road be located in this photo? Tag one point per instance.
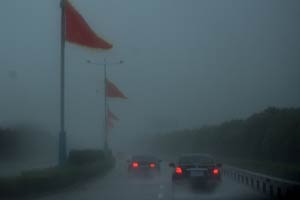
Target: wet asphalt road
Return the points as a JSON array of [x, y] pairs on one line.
[[117, 186]]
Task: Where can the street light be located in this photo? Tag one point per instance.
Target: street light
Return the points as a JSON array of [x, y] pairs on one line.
[[104, 64]]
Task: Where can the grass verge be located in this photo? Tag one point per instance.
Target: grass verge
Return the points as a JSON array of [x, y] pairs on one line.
[[56, 178]]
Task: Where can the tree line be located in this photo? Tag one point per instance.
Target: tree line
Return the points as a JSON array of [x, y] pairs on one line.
[[16, 142], [273, 134]]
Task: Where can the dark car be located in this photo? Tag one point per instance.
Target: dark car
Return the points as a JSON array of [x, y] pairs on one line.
[[196, 170], [144, 166]]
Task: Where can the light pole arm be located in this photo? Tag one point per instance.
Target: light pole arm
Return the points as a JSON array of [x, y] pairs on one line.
[[102, 64]]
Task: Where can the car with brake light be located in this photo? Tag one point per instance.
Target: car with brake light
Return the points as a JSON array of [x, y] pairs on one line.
[[196, 170], [144, 166]]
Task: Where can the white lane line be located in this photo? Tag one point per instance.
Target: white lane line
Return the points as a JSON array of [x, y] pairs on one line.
[[160, 196]]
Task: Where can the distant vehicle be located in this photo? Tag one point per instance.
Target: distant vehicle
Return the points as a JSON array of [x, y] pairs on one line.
[[196, 171], [144, 166]]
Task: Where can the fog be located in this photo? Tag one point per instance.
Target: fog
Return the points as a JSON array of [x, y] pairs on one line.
[[186, 64]]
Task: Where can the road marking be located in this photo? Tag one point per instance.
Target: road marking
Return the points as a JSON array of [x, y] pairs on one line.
[[160, 195]]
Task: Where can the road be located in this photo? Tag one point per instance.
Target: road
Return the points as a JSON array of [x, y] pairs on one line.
[[117, 186]]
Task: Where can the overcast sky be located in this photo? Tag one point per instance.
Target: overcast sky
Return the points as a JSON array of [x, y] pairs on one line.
[[187, 63]]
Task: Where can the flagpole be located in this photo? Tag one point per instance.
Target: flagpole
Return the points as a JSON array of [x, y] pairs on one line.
[[105, 109], [105, 64], [62, 134]]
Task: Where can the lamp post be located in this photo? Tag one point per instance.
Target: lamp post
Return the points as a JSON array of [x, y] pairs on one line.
[[105, 64], [62, 134]]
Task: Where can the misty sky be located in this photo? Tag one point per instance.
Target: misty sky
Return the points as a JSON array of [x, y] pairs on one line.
[[187, 63]]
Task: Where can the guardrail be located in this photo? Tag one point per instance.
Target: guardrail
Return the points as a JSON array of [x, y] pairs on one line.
[[275, 188]]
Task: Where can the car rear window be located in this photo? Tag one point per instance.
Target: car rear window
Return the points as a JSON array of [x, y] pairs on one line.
[[196, 159], [144, 158]]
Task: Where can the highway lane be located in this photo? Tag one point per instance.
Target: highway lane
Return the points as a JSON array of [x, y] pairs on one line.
[[117, 186]]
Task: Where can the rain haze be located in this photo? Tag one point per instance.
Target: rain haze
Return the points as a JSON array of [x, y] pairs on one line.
[[187, 64]]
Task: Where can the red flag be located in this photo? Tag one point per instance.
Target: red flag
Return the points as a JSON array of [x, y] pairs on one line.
[[110, 119], [79, 32], [110, 124], [113, 91], [111, 115]]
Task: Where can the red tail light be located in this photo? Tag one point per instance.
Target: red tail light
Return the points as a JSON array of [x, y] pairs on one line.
[[152, 165], [216, 171], [135, 164], [178, 170]]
